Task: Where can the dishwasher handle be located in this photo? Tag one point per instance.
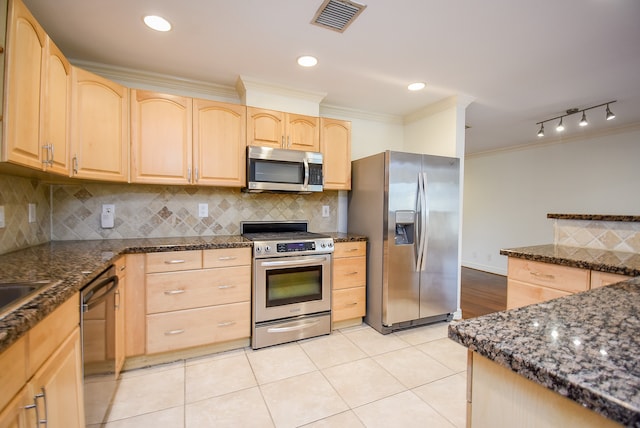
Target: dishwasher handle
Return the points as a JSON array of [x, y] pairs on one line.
[[93, 297]]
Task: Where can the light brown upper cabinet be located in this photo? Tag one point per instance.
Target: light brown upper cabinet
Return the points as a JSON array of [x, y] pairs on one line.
[[335, 145], [219, 135], [180, 140], [160, 138], [100, 125], [36, 117], [282, 130]]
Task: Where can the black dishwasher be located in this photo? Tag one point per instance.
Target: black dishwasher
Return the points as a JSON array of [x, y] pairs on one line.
[[98, 303]]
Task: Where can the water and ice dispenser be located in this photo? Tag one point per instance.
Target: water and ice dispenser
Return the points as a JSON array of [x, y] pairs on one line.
[[405, 227]]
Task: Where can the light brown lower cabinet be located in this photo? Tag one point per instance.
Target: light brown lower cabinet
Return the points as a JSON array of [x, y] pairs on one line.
[[530, 282], [45, 382], [349, 281], [500, 398]]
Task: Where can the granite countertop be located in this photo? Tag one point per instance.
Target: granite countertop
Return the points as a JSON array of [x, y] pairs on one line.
[[70, 265], [619, 262], [584, 346]]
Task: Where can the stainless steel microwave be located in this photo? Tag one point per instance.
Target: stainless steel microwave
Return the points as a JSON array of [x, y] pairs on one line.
[[281, 170]]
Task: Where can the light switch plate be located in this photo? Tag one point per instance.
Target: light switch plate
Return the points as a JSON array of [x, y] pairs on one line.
[[325, 211], [32, 213], [203, 210], [108, 216]]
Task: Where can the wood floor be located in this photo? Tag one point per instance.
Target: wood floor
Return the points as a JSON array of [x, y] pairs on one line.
[[482, 293]]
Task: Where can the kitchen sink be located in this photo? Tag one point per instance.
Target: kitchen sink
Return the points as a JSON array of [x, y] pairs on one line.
[[16, 291]]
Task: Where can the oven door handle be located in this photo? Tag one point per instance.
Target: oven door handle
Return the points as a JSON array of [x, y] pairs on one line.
[[297, 325], [293, 262]]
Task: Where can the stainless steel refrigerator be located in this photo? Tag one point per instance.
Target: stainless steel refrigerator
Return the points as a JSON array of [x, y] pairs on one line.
[[408, 206]]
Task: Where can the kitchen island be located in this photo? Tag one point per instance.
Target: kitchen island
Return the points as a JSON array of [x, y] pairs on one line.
[[530, 366]]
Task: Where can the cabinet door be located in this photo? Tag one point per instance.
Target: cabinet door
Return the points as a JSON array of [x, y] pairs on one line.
[[335, 145], [26, 42], [99, 120], [120, 351], [60, 380], [56, 110], [265, 128], [219, 143], [303, 133], [160, 138], [523, 294], [19, 413]]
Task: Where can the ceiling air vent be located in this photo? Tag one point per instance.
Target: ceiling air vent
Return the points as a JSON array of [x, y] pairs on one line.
[[337, 15]]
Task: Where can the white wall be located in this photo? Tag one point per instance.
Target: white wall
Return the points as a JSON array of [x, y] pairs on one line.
[[509, 193]]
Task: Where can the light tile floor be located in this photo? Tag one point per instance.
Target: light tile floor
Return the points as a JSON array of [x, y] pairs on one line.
[[354, 377]]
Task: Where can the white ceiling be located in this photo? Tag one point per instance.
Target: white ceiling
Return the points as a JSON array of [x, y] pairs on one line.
[[521, 61]]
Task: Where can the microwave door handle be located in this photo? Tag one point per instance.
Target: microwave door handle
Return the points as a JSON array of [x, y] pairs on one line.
[[306, 173]]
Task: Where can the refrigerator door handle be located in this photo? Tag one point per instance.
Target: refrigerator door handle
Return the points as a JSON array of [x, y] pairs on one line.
[[420, 230], [425, 222]]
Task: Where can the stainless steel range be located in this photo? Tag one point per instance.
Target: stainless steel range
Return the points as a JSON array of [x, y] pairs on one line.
[[291, 282]]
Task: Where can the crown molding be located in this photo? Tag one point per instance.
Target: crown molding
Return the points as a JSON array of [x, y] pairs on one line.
[[327, 110], [622, 129], [181, 85], [245, 84]]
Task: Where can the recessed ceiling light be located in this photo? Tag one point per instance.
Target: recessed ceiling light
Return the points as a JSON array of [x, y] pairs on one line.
[[417, 86], [157, 23], [307, 61]]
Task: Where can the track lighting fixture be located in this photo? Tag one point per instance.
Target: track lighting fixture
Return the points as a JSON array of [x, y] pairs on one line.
[[610, 115], [572, 111]]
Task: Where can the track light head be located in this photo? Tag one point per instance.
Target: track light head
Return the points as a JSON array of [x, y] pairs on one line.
[[541, 131], [560, 126], [610, 114], [583, 121]]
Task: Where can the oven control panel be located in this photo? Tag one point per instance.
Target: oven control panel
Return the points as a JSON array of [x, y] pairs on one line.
[[292, 248]]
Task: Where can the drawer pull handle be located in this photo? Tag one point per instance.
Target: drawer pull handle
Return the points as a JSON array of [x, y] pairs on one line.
[[543, 275], [352, 304], [123, 267], [226, 258], [172, 292], [351, 250], [226, 323], [225, 287], [174, 332], [173, 262], [352, 273]]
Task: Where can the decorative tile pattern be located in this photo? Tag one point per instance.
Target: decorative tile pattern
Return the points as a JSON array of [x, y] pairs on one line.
[[16, 193], [146, 211], [598, 234]]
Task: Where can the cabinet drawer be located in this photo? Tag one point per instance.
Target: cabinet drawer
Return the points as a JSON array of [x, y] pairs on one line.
[[226, 257], [195, 327], [49, 333], [13, 375], [173, 260], [348, 303], [349, 272], [350, 249], [172, 291], [600, 279], [523, 294], [549, 275]]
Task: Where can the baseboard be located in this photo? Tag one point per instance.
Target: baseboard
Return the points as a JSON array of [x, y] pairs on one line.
[[485, 268]]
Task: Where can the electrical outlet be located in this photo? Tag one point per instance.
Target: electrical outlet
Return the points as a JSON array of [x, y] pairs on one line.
[[203, 210], [325, 211], [2, 216], [107, 219], [32, 213]]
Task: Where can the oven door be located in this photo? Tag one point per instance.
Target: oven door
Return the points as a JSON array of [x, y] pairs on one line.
[[291, 286]]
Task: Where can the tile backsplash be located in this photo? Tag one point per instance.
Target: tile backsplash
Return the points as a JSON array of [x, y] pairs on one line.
[[150, 211], [604, 235], [16, 193]]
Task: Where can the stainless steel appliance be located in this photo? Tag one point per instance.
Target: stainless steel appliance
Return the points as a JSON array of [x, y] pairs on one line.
[[98, 302], [291, 282], [283, 170], [408, 207]]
